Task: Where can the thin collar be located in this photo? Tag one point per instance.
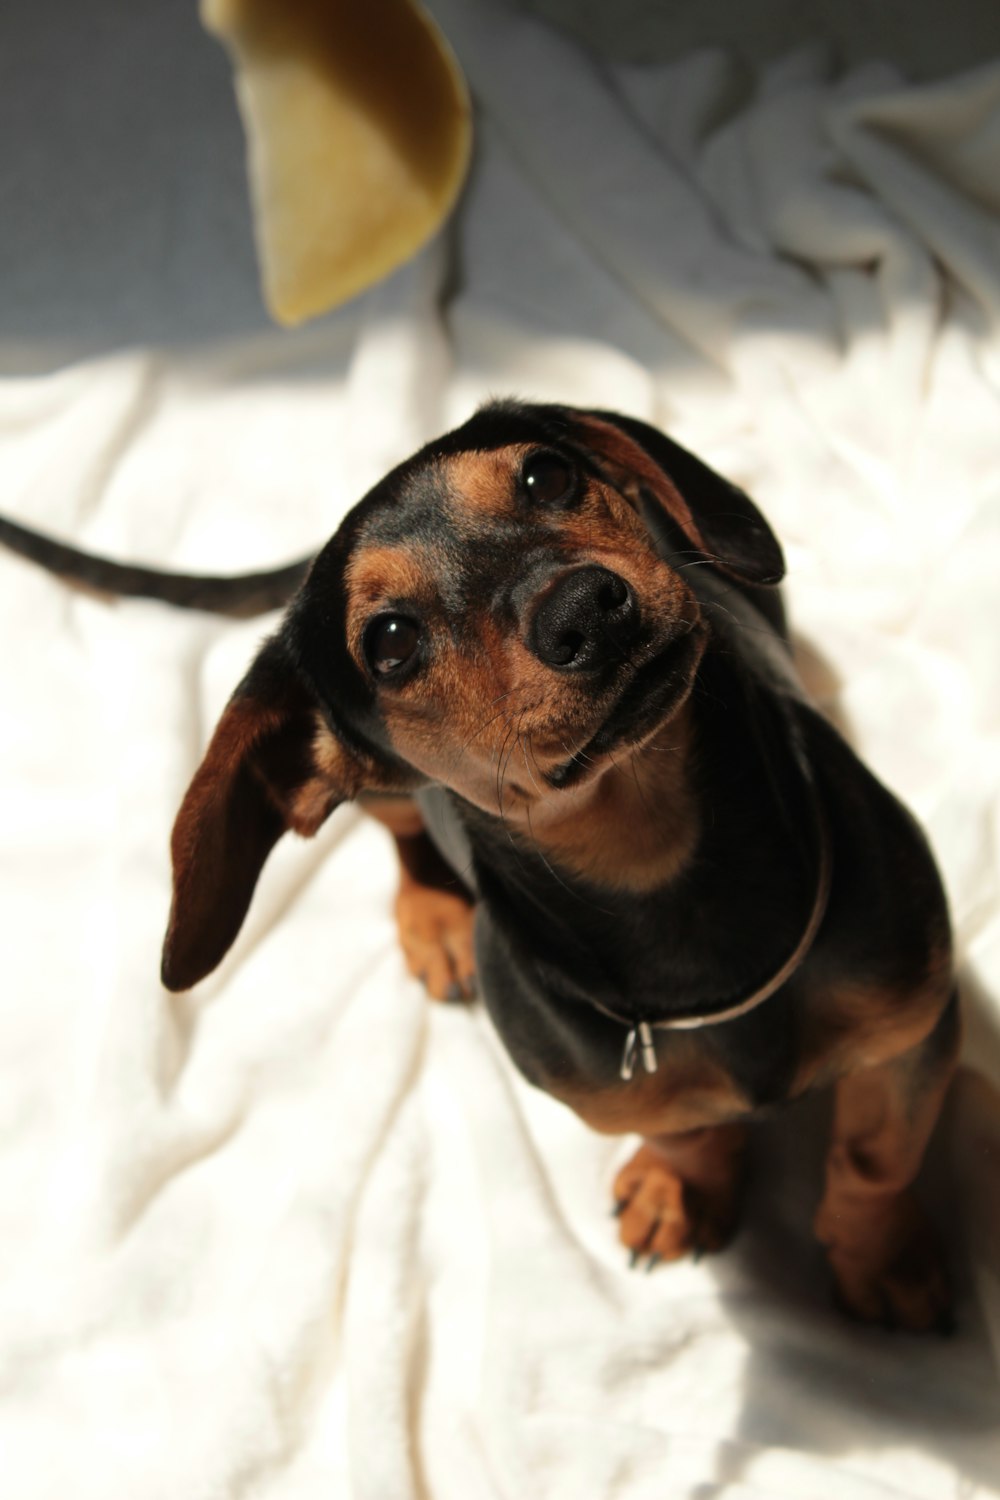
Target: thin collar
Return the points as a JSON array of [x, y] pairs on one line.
[[640, 1040]]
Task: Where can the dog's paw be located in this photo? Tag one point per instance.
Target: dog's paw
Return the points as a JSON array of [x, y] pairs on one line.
[[435, 932], [907, 1289], [664, 1218]]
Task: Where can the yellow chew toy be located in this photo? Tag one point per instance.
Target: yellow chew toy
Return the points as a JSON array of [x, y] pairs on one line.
[[359, 131]]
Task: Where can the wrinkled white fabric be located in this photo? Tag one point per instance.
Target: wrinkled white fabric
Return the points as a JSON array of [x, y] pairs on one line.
[[299, 1234]]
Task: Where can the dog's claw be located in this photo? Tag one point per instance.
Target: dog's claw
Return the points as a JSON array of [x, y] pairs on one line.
[[661, 1218], [640, 1250]]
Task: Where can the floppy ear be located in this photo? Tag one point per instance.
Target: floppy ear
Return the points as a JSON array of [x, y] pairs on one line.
[[667, 483], [272, 764]]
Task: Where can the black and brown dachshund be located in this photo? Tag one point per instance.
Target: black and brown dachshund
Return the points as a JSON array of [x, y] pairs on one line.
[[547, 651]]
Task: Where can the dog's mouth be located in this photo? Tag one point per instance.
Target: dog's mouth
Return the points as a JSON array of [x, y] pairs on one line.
[[648, 701]]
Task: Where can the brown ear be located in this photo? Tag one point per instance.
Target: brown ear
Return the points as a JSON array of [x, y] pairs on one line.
[[272, 764], [667, 483]]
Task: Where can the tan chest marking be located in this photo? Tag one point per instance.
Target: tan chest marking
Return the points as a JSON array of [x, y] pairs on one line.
[[639, 825]]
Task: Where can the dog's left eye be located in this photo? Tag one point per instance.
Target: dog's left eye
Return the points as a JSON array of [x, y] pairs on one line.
[[548, 479], [390, 642]]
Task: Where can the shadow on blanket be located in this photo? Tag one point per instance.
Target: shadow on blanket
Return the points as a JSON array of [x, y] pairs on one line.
[[810, 1381]]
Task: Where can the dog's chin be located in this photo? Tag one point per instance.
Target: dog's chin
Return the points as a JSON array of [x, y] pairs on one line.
[[650, 699]]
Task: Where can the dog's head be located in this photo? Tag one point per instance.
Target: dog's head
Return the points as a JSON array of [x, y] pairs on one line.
[[520, 584]]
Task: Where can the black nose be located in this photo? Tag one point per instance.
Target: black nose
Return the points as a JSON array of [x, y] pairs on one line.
[[584, 620]]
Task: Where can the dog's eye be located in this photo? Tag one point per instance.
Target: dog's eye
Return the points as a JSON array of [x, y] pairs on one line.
[[548, 479], [390, 642]]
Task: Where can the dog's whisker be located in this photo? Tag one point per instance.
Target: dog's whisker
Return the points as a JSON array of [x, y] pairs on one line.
[[480, 729], [763, 629], [527, 766], [544, 793]]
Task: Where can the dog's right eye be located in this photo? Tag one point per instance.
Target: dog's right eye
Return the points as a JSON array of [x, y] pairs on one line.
[[547, 479], [391, 641]]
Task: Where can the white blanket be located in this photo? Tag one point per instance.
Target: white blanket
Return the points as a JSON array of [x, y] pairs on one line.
[[299, 1233]]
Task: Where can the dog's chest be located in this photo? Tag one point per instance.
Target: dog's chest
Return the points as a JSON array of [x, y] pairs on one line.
[[544, 1012], [689, 1091]]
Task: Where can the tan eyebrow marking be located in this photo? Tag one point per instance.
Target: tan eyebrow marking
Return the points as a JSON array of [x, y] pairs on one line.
[[485, 481], [375, 575]]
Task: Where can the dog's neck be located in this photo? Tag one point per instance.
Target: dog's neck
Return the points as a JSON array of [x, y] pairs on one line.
[[633, 827]]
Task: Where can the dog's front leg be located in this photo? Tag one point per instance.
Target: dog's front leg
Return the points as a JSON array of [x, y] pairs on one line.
[[434, 911], [886, 1260], [680, 1193]]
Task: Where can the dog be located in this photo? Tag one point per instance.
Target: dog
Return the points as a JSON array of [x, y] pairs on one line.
[[549, 653]]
